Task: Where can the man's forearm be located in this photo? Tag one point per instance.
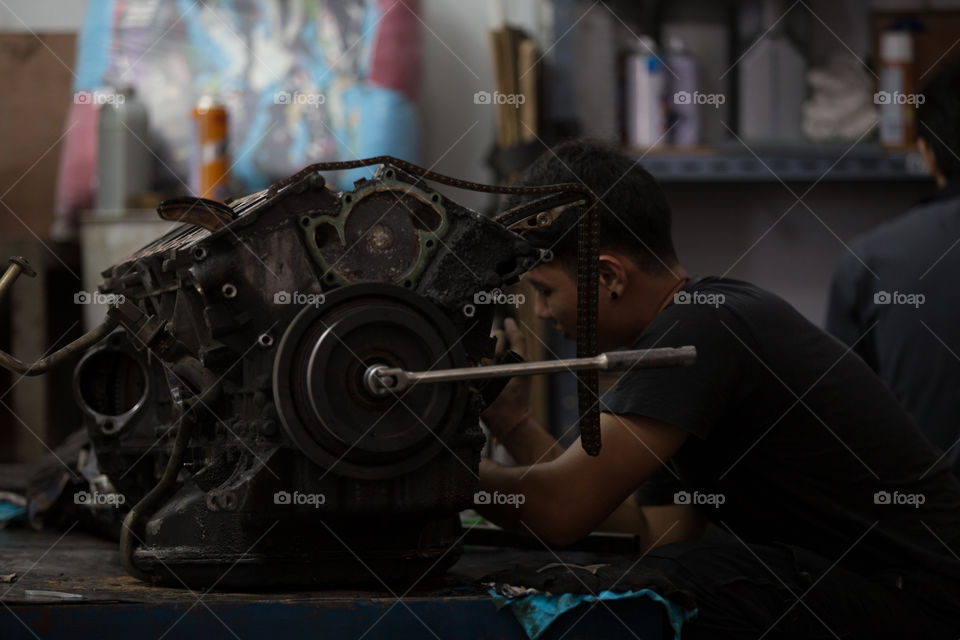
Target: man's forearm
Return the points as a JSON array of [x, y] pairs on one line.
[[529, 443], [522, 499]]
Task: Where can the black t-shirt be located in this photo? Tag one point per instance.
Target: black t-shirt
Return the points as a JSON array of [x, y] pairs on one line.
[[794, 438]]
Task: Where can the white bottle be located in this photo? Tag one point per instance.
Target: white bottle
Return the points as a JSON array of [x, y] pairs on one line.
[[644, 89], [895, 90], [772, 83]]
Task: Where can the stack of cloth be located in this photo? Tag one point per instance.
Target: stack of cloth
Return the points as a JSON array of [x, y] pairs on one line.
[[841, 104], [539, 595]]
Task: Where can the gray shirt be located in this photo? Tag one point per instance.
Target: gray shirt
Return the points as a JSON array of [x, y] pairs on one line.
[[896, 296]]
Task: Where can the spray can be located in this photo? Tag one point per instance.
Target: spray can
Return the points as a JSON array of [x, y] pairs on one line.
[[124, 167], [210, 164]]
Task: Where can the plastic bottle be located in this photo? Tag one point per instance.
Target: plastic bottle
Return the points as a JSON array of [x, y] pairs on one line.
[[896, 96], [682, 94], [772, 82], [644, 88]]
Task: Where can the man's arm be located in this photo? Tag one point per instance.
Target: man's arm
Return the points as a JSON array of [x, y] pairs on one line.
[[661, 524], [529, 443], [568, 497]]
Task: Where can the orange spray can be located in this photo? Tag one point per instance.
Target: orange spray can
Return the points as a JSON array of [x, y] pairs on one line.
[[210, 166]]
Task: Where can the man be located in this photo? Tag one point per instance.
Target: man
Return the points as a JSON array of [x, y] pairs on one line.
[[894, 294], [836, 520]]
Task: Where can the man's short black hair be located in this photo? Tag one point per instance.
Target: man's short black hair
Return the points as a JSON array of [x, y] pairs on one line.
[[938, 120], [634, 215]]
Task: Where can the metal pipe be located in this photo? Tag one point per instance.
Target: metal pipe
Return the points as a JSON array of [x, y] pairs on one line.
[[46, 363], [149, 503], [381, 379], [20, 265]]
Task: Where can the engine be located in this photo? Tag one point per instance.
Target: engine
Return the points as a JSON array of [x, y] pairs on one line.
[[251, 327]]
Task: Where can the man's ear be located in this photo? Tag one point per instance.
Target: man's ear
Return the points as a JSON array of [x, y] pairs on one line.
[[613, 273], [931, 161]]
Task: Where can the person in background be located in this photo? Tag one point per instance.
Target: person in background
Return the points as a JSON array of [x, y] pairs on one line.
[[895, 295]]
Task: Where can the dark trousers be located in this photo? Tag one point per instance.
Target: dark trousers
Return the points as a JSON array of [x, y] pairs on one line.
[[752, 591]]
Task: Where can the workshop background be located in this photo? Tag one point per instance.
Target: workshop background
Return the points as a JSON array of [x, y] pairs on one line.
[[102, 97], [757, 188]]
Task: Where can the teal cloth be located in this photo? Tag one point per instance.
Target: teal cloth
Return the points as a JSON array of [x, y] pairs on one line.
[[10, 511], [537, 611]]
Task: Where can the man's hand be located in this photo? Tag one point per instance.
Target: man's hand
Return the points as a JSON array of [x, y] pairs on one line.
[[570, 496], [513, 404]]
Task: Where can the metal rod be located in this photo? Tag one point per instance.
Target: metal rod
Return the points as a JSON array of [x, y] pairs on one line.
[[20, 265], [381, 379]]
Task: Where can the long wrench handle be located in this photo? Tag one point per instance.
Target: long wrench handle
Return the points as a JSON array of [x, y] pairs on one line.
[[381, 379]]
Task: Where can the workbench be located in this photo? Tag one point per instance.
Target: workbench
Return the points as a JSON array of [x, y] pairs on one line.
[[108, 603]]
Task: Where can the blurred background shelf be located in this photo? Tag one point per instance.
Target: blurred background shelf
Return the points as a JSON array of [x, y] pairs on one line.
[[865, 163]]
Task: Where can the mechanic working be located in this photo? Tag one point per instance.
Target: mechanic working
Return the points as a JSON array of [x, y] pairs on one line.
[[829, 513]]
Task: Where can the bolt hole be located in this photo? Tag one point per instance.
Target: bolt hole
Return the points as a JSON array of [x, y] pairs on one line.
[[389, 174], [407, 283], [348, 199], [229, 290], [200, 253], [305, 221], [265, 340], [429, 243], [435, 198]]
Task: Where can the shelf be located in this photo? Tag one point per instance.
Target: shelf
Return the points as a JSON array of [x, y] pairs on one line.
[[830, 163]]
